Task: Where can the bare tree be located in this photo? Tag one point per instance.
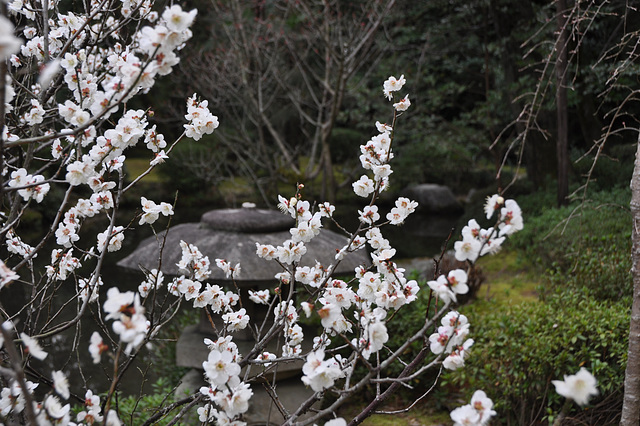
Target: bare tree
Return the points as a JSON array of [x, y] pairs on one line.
[[619, 95], [312, 50], [562, 143]]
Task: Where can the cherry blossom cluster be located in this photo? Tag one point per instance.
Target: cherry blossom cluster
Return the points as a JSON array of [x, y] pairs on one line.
[[477, 413], [51, 410], [343, 308], [196, 266], [477, 241], [92, 409], [72, 125], [28, 186], [62, 264], [127, 312], [154, 280], [320, 373], [292, 332], [16, 246], [152, 211], [360, 307], [12, 398], [446, 287], [226, 389], [97, 81], [69, 127], [451, 339], [200, 120]]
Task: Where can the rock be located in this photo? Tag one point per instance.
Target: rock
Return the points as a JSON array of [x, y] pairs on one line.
[[232, 234], [422, 265], [192, 352], [248, 220], [434, 198], [292, 393]]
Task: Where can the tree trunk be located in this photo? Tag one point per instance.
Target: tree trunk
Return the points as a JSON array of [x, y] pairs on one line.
[[562, 145], [631, 406]]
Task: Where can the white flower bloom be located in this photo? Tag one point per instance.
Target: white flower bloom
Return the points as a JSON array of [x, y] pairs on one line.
[[96, 347], [151, 211], [467, 249], [290, 251], [61, 384], [492, 204], [117, 302], [369, 215], [457, 280], [234, 400], [320, 373], [579, 387], [393, 85], [56, 410], [207, 414], [92, 414], [510, 218], [478, 413], [219, 367], [378, 335], [104, 200], [364, 186], [465, 416], [7, 275], [36, 114], [403, 105], [455, 360], [33, 347], [483, 405], [201, 121], [189, 288], [307, 308], [260, 297], [112, 419], [266, 251], [177, 20], [236, 320], [114, 243], [265, 358], [227, 268], [302, 233], [9, 43]]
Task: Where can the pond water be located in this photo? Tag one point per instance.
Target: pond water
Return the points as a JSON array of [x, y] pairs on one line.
[[421, 235]]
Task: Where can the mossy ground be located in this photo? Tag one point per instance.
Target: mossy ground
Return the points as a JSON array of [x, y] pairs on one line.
[[510, 279]]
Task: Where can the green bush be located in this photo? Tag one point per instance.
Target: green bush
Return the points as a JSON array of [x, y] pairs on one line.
[[518, 351], [584, 247], [613, 169], [135, 410]]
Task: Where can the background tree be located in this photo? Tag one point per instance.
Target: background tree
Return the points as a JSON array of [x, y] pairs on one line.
[[601, 42], [313, 51], [561, 68]]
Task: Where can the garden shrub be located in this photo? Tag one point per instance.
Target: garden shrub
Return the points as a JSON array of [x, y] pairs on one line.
[[518, 350], [136, 410], [613, 169], [588, 253]]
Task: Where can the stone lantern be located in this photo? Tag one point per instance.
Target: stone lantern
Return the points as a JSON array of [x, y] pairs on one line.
[[231, 234]]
